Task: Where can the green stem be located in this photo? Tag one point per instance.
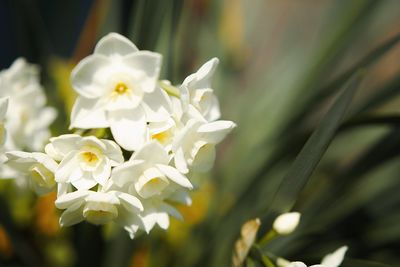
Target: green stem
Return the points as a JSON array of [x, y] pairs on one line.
[[268, 237]]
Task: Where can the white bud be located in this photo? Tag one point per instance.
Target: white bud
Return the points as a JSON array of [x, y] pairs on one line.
[[286, 223]]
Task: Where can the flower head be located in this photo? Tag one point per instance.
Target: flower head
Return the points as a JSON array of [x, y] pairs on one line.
[[39, 167], [84, 161]]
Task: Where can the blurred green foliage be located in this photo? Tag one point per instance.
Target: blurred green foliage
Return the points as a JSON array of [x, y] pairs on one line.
[[283, 64]]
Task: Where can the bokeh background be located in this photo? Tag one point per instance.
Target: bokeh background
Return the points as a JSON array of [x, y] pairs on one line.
[[282, 64]]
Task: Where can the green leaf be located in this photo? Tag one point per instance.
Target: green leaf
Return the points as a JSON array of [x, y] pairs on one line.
[[383, 94], [366, 61], [313, 150], [362, 263]]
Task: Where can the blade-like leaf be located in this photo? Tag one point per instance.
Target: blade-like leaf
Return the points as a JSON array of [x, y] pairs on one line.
[[366, 61], [362, 263], [331, 87], [314, 149]]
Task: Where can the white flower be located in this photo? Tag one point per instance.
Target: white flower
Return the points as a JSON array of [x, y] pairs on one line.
[[99, 207], [27, 124], [38, 166], [194, 146], [333, 259], [196, 91], [157, 212], [3, 112], [286, 223], [117, 89], [85, 161], [149, 173]]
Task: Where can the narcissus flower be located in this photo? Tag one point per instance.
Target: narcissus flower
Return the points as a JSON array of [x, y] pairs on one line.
[[39, 167], [28, 122], [196, 92], [84, 161], [194, 145], [97, 207], [149, 172], [117, 89]]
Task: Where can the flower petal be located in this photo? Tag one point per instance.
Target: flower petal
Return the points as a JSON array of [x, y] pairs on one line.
[[130, 202], [128, 127], [87, 77], [335, 258], [62, 145], [152, 153], [215, 132], [66, 167], [127, 172], [88, 113], [69, 199], [115, 44], [180, 161], [71, 216], [113, 152], [175, 176], [84, 183], [102, 173], [147, 62]]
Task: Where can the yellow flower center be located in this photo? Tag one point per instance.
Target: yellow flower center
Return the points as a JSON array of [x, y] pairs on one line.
[[90, 157], [161, 137], [121, 88]]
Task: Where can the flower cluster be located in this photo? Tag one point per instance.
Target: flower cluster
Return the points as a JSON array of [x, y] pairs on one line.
[[160, 133], [28, 118]]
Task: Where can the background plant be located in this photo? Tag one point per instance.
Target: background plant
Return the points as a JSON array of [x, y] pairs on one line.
[[282, 67]]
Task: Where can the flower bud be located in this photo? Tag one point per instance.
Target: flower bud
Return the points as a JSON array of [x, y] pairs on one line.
[[286, 223]]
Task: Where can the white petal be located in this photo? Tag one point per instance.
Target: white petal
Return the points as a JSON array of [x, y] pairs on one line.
[[175, 176], [203, 157], [215, 132], [205, 73], [66, 167], [180, 161], [69, 199], [214, 112], [157, 105], [335, 258], [113, 152], [86, 77], [181, 196], [130, 202], [101, 197], [128, 128], [171, 211], [63, 144], [3, 107], [163, 220], [88, 113], [147, 62], [92, 141], [102, 173], [152, 153], [71, 216], [20, 160], [84, 183], [115, 44], [297, 264], [127, 172]]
